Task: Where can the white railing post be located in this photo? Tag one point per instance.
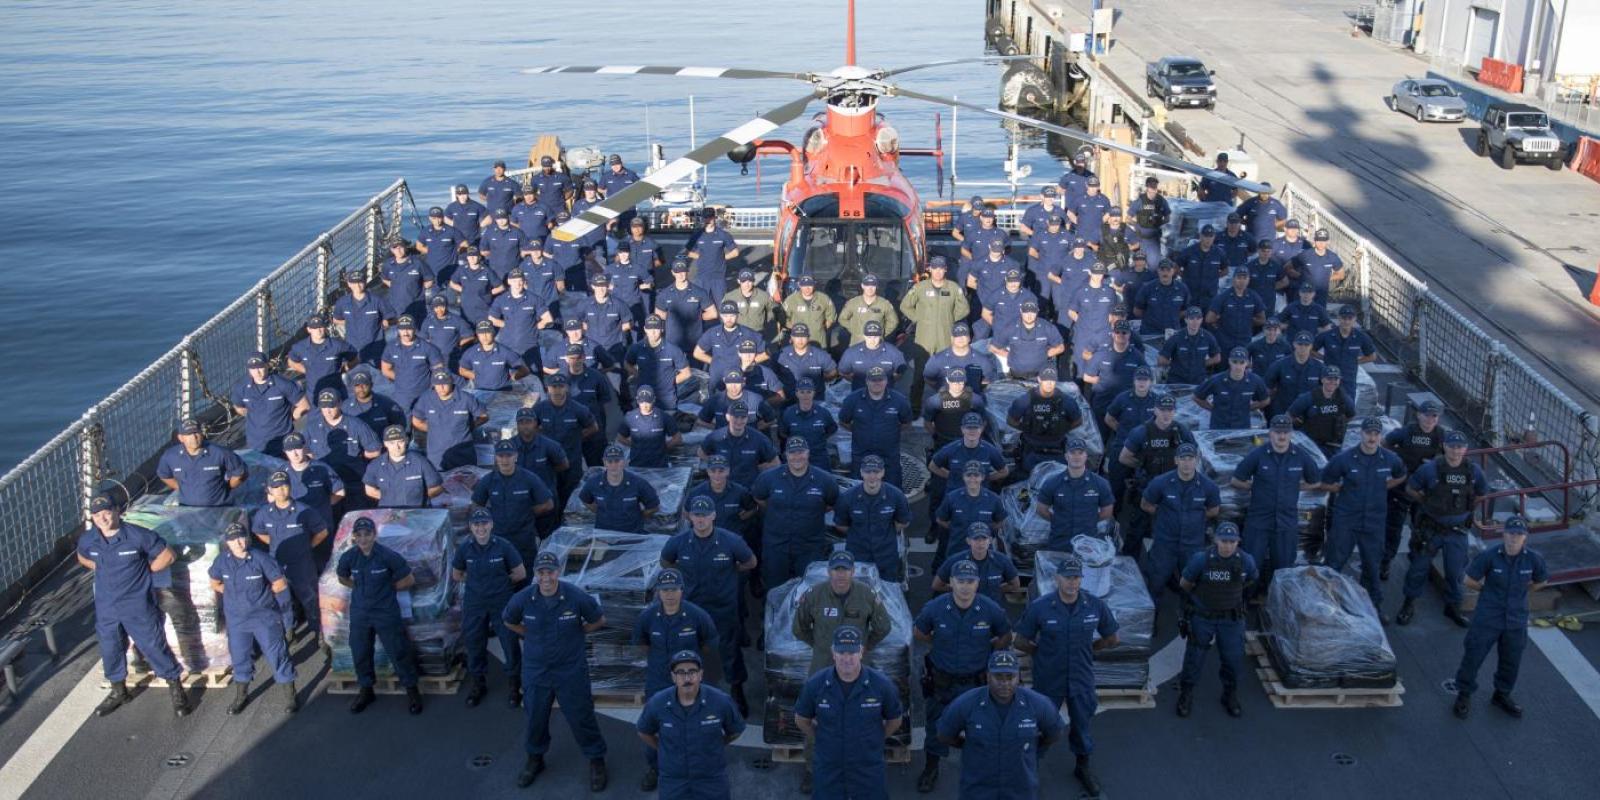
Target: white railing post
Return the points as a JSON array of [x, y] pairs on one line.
[[186, 372], [1364, 276], [91, 456], [324, 260], [374, 215], [1422, 336], [1495, 407], [263, 310]]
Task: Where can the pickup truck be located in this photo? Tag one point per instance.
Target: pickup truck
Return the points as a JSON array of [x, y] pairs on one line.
[[1180, 81]]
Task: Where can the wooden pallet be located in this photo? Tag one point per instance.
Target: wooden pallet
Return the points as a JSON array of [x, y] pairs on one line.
[[619, 699], [209, 678], [893, 754], [1333, 697], [346, 683]]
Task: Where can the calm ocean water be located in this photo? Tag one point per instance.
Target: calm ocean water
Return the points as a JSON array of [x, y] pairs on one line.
[[160, 158]]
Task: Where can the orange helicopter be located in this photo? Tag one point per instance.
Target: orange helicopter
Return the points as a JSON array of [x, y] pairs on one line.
[[847, 209]]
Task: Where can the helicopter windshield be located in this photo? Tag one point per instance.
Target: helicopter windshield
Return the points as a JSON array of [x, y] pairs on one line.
[[838, 253]]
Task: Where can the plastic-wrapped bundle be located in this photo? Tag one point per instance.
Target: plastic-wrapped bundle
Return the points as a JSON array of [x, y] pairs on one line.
[[788, 660], [502, 408], [252, 494], [1352, 432], [1366, 392], [1024, 531], [194, 625], [1129, 600], [671, 483], [1323, 632], [423, 537], [457, 498], [687, 454], [618, 569]]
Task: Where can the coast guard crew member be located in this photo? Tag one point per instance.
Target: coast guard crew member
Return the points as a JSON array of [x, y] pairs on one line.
[[408, 361], [406, 278], [1447, 489], [516, 498], [667, 626], [997, 574], [1233, 396], [374, 574], [254, 597], [1002, 729], [795, 498], [319, 357], [710, 252], [401, 478], [1074, 501], [124, 558], [1504, 575], [848, 710], [648, 432], [1274, 474], [688, 727], [448, 415], [467, 216], [1216, 579], [269, 404], [620, 499], [1181, 502], [875, 516], [497, 191], [1416, 443], [748, 452], [876, 416], [361, 317], [713, 558], [201, 472], [489, 568], [1359, 480], [961, 629], [292, 530]]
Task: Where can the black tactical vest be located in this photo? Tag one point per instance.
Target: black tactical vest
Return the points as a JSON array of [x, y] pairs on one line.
[[1453, 493], [1114, 246], [1417, 447], [947, 419], [1047, 421], [1221, 584], [1160, 452], [1325, 420]]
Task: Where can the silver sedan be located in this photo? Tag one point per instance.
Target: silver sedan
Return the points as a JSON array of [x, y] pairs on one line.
[[1428, 100]]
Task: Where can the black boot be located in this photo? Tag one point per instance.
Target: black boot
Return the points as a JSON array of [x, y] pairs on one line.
[[1454, 614], [514, 693], [1503, 701], [530, 771], [598, 776], [180, 699], [1185, 700], [739, 701], [930, 775], [476, 693], [241, 697], [1230, 701], [1463, 706], [114, 700], [649, 781], [414, 698], [1085, 776], [805, 781], [291, 698], [363, 699], [1408, 610]]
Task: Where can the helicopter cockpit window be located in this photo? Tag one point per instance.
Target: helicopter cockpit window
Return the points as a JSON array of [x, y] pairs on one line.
[[822, 205], [838, 253]]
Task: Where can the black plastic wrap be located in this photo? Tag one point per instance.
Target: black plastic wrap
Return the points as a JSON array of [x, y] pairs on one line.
[[1323, 632], [671, 483], [618, 569], [424, 538], [193, 622], [788, 660]]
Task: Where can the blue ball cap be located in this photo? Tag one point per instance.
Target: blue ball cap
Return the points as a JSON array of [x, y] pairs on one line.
[[800, 330], [546, 562], [364, 525], [979, 530], [1192, 312], [1347, 312], [481, 515], [1331, 371], [1515, 524], [964, 570], [798, 444], [805, 385], [1303, 337], [669, 578], [505, 446], [1004, 662], [847, 639], [1430, 407], [1239, 354], [956, 375], [938, 262], [395, 433], [102, 502], [960, 329], [360, 377], [702, 505], [256, 359], [294, 441], [1166, 401], [841, 559], [527, 412], [1187, 450], [276, 479], [1049, 374], [684, 657], [1076, 443], [1455, 439], [873, 328], [718, 461], [975, 468], [558, 379], [1227, 530], [1069, 567], [613, 453], [189, 426], [1371, 425], [1282, 422], [235, 531], [869, 279], [872, 463], [971, 419]]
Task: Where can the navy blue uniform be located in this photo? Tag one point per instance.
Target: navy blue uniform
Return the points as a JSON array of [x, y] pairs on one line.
[[981, 368], [1318, 270], [1187, 353], [289, 532], [477, 290], [1345, 352], [565, 424], [124, 599], [254, 614], [1309, 317], [315, 486], [815, 426], [1272, 522], [1219, 589], [499, 193], [1179, 528], [1001, 743], [492, 368], [722, 344], [958, 655], [873, 523], [450, 423], [1027, 349], [875, 426], [363, 323], [1201, 268], [203, 477], [794, 533], [533, 220], [378, 412], [620, 506], [715, 410], [1063, 664], [691, 745], [1130, 410], [1075, 505], [664, 635], [1448, 496], [711, 260], [519, 318], [848, 760], [684, 309], [1231, 399], [1114, 371], [1160, 306], [1359, 510], [859, 359], [511, 499], [648, 435], [1262, 217], [1236, 316], [342, 446], [710, 567], [1263, 354], [958, 510], [658, 368], [1500, 620], [554, 667], [323, 363], [467, 217], [375, 611], [814, 363], [995, 570], [404, 483], [488, 569], [269, 411], [1288, 379], [444, 333], [411, 365], [405, 280], [444, 246], [745, 452], [553, 188]]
